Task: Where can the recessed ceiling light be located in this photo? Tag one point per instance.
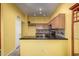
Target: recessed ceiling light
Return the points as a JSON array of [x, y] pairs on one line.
[[40, 9], [40, 12]]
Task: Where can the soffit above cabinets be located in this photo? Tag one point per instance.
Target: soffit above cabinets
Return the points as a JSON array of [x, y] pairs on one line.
[[38, 9]]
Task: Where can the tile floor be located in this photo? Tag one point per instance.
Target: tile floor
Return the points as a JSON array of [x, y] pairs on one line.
[[16, 52]]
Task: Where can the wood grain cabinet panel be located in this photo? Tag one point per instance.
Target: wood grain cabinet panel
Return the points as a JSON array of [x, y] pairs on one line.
[[58, 21]]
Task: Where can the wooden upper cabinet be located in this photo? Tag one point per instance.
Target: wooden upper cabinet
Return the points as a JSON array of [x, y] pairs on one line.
[[58, 21]]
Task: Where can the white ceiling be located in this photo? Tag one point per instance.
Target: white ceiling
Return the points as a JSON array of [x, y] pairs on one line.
[[38, 9]]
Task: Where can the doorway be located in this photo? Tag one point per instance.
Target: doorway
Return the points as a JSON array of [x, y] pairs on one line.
[[18, 31]]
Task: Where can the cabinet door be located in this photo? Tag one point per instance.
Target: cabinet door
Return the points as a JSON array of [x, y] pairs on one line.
[[76, 32], [62, 21], [58, 21], [76, 37]]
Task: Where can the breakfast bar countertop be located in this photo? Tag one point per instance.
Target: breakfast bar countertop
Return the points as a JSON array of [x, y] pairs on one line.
[[35, 38]]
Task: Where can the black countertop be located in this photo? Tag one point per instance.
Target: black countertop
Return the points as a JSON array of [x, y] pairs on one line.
[[34, 38]]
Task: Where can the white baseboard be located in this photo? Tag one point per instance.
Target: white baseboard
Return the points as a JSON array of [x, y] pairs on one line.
[[10, 52]]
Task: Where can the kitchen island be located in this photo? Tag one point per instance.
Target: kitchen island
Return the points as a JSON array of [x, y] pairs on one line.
[[31, 46]]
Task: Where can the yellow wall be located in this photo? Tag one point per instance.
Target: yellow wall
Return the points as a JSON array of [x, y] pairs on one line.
[[9, 13], [39, 19], [25, 27], [43, 47], [32, 29], [64, 8]]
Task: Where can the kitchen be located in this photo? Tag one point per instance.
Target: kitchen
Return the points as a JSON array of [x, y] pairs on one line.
[[41, 32], [42, 29]]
